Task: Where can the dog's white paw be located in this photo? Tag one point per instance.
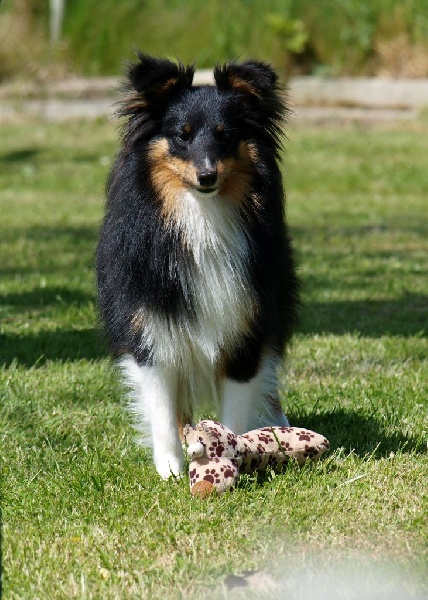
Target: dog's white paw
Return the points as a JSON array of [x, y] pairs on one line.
[[169, 466]]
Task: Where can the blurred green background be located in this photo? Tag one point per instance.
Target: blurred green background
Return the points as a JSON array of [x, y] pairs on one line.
[[327, 37]]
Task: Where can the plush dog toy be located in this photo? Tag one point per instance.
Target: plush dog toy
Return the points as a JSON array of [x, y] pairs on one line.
[[217, 456]]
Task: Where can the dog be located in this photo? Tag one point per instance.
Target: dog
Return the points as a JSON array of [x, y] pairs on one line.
[[197, 286]]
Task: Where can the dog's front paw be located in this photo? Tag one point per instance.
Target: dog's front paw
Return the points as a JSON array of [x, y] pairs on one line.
[[169, 466]]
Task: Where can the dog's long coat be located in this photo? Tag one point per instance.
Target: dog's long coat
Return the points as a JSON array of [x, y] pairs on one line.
[[197, 287]]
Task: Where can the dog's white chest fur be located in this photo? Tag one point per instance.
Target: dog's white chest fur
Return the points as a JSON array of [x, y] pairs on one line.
[[214, 232]]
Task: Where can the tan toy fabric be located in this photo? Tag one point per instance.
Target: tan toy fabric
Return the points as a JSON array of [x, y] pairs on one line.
[[217, 455]]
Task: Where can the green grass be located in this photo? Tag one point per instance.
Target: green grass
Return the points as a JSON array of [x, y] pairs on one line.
[[341, 37], [333, 37], [84, 513]]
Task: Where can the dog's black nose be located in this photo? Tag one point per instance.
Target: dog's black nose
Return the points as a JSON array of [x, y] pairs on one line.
[[207, 178]]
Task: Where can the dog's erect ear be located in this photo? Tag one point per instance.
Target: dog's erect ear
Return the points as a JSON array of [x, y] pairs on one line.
[[157, 80], [252, 79], [257, 87]]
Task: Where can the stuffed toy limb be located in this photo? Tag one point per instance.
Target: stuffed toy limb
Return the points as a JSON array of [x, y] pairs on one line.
[[217, 456]]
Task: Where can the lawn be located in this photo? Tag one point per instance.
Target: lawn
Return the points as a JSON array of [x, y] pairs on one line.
[[84, 513]]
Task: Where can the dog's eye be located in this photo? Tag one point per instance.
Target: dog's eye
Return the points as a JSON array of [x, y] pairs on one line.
[[220, 133], [186, 133]]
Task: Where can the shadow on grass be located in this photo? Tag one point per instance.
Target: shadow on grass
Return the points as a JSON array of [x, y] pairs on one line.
[[70, 234], [36, 155], [19, 156], [62, 235], [63, 345], [364, 435], [44, 297], [59, 249], [406, 316], [28, 347]]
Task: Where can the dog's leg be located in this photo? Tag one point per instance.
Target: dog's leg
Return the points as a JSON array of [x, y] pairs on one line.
[[237, 404], [183, 419], [154, 402], [253, 403], [268, 405]]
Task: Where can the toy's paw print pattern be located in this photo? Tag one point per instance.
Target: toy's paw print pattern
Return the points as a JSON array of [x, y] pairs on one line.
[[286, 446], [231, 440], [215, 427], [226, 455], [247, 440], [266, 437], [215, 433], [212, 476], [216, 449], [251, 463], [310, 451], [245, 448], [260, 448], [228, 472], [194, 476], [313, 451], [304, 435]]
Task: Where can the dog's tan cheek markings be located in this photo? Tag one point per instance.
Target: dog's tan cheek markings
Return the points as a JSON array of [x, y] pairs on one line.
[[237, 174], [250, 154], [250, 150], [236, 184], [166, 177], [186, 170]]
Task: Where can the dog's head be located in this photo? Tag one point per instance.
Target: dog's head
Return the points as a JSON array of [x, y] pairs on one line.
[[205, 138]]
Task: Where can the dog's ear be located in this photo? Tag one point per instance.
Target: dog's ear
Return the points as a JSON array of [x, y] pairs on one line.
[[158, 80], [251, 79], [263, 102]]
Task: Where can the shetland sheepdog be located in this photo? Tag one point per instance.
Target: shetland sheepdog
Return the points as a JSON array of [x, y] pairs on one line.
[[196, 279]]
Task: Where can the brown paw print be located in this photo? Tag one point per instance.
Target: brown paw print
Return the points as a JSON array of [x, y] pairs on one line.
[[266, 439], [214, 432], [194, 476], [212, 476], [305, 435], [216, 449], [231, 440], [247, 437], [310, 451], [227, 472]]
